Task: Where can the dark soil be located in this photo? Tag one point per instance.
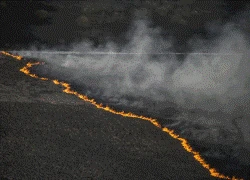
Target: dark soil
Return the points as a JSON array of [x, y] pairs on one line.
[[60, 141]]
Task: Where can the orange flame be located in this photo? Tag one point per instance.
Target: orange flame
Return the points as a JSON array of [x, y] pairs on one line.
[[11, 55], [184, 142], [26, 71]]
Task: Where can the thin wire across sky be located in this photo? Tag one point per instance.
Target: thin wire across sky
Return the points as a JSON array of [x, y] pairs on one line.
[[121, 53]]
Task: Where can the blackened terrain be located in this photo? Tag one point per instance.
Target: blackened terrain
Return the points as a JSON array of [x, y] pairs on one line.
[[77, 141]]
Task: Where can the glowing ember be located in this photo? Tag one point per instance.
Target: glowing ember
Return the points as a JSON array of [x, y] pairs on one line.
[[68, 90]]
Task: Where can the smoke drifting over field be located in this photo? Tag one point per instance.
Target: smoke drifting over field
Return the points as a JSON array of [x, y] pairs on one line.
[[207, 82], [210, 85]]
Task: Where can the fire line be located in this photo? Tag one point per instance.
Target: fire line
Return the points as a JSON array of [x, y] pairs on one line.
[[67, 89]]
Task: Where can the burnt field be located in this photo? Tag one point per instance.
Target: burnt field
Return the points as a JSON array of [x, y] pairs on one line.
[[61, 140], [184, 63]]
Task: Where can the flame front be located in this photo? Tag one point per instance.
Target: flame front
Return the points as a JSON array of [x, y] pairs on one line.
[[11, 55], [67, 89]]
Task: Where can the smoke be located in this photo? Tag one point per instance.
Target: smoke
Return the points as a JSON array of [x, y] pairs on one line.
[[217, 82], [212, 80], [201, 81]]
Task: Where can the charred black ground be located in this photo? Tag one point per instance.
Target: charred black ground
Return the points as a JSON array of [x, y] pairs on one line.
[[51, 139], [228, 159], [62, 23]]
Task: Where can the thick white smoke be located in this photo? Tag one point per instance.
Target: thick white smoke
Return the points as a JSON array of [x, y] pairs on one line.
[[208, 82], [211, 83], [215, 82]]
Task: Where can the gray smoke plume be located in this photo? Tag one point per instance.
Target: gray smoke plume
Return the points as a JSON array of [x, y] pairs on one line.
[[208, 82]]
